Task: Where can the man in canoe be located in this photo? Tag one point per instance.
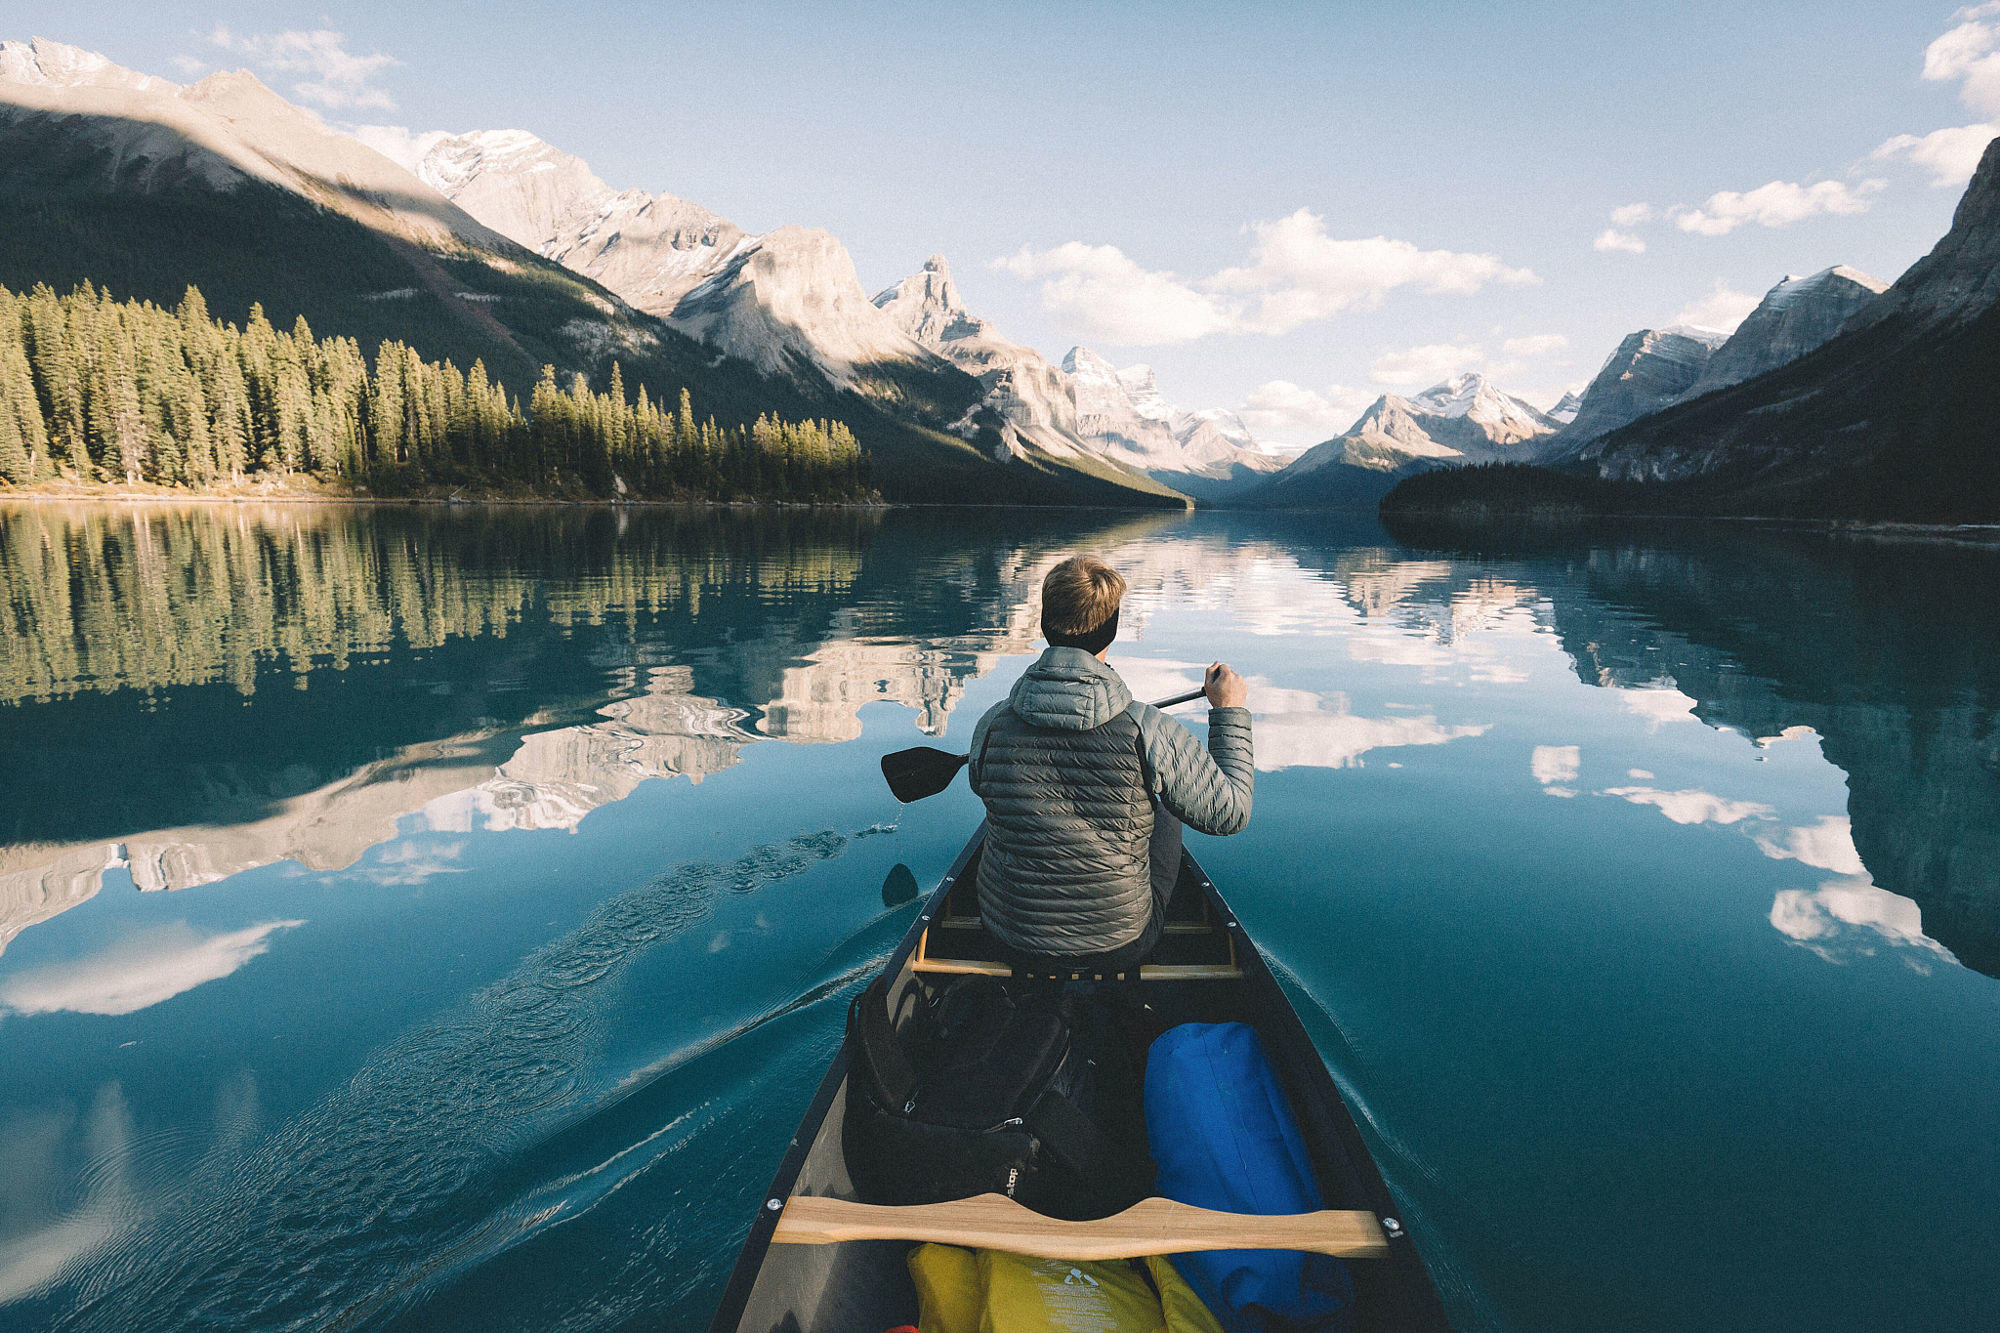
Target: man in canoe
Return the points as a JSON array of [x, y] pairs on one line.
[[1087, 791]]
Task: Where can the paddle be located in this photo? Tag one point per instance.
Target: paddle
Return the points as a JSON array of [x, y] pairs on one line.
[[923, 771]]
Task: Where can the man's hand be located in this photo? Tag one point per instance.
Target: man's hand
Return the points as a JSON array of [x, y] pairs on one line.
[[1224, 688]]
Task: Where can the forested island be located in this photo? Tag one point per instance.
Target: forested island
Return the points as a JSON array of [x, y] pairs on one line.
[[99, 391]]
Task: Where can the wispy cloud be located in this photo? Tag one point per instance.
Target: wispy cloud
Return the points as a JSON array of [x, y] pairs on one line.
[[335, 77], [1722, 308], [1631, 215], [1535, 345], [1109, 294], [1778, 204], [1612, 239], [1694, 806], [1968, 55], [1296, 275], [1420, 367], [1282, 410], [140, 971], [1950, 155]]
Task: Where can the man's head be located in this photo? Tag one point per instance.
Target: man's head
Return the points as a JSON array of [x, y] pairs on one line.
[[1080, 604]]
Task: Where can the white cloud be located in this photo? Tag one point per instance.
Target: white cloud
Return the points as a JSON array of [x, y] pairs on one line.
[[1723, 308], [1106, 292], [1300, 275], [1827, 845], [1970, 54], [1694, 806], [1282, 410], [1846, 917], [1612, 239], [189, 66], [1296, 275], [405, 147], [1658, 705], [1535, 345], [1300, 729], [142, 970], [1950, 155], [1631, 215], [1778, 204], [1555, 767], [335, 77], [1418, 367]]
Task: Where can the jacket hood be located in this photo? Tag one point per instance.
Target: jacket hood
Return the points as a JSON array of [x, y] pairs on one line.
[[1069, 690]]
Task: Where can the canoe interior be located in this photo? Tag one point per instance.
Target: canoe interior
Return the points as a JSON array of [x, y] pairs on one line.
[[864, 1286]]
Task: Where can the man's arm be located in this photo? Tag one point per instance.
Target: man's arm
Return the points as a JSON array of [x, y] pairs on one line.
[[1208, 790]]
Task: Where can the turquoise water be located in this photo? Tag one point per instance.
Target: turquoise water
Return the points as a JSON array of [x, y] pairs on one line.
[[439, 918]]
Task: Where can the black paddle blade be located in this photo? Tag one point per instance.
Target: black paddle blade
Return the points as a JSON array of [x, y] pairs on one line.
[[915, 774]]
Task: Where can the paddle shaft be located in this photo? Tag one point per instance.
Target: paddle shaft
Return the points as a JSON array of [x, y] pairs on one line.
[[923, 771]]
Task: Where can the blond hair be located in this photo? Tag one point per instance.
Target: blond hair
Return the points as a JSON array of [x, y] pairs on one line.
[[1080, 600]]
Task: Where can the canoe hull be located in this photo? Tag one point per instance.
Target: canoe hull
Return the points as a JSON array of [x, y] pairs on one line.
[[863, 1285]]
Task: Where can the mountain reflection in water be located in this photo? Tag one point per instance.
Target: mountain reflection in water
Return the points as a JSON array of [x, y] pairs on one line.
[[1625, 881]]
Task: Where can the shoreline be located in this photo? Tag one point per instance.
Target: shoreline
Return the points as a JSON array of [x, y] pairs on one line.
[[162, 495], [1489, 519]]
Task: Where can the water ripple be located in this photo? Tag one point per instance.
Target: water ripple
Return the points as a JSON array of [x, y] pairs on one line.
[[308, 1229]]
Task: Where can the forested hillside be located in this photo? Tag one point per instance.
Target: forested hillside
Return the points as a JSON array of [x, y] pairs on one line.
[[94, 389]]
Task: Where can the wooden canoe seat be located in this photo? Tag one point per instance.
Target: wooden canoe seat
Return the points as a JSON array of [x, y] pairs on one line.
[[1196, 948], [1151, 1226], [1219, 970]]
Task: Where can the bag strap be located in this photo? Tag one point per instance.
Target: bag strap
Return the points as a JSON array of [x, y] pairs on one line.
[[881, 1050]]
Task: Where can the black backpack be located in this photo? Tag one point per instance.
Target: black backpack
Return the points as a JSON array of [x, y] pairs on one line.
[[978, 1092]]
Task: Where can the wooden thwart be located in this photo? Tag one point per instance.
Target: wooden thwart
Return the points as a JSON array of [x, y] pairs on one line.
[[922, 961], [1151, 1226]]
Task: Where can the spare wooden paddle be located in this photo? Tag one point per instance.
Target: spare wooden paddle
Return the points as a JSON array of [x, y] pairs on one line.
[[1151, 1226], [923, 771]]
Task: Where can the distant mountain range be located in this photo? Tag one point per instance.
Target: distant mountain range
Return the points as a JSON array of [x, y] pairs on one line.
[[1835, 395], [1463, 420], [789, 302], [143, 186], [1836, 398]]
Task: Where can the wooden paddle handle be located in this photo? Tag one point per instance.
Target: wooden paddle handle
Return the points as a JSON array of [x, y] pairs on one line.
[[1151, 1226]]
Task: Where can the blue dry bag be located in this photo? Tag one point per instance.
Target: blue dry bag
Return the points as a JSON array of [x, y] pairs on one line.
[[1224, 1138]]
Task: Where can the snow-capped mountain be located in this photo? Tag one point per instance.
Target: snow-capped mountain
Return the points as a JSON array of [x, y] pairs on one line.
[[1565, 409], [1651, 369], [255, 200], [790, 300], [1106, 414], [48, 64], [1123, 415], [1029, 400], [126, 131], [650, 249], [1466, 419], [1086, 407], [1794, 317], [1893, 417]]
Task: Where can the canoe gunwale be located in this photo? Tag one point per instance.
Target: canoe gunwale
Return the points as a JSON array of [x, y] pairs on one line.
[[750, 1259]]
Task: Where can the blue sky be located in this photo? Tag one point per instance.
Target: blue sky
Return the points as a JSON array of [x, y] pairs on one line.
[[1284, 208]]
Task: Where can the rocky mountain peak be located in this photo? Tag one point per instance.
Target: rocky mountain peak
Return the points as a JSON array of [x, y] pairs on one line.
[[927, 305], [48, 64], [1960, 277], [1796, 316]]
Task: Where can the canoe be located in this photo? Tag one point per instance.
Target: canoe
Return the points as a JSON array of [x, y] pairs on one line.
[[816, 1262]]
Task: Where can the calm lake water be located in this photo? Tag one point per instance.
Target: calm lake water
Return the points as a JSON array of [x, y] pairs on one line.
[[439, 918]]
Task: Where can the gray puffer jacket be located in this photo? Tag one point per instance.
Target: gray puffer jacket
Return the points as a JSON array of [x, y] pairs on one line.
[[1069, 767]]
